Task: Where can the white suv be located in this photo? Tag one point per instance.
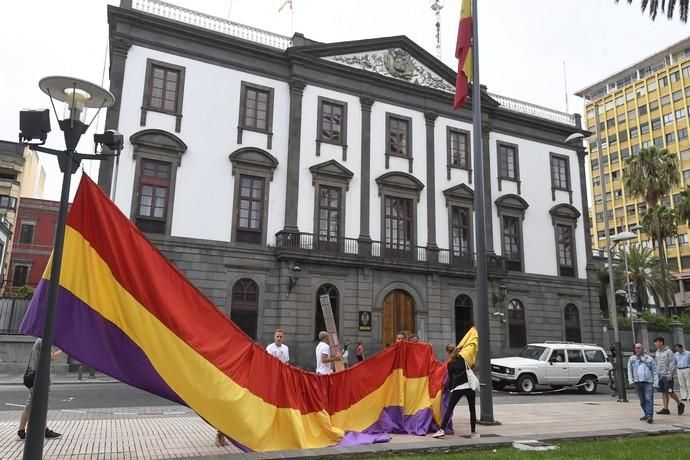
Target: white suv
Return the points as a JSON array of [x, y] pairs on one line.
[[553, 363]]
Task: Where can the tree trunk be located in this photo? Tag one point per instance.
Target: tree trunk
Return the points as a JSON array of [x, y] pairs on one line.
[[662, 265]]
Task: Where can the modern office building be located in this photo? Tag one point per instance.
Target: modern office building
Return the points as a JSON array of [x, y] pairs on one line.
[[272, 170], [643, 105]]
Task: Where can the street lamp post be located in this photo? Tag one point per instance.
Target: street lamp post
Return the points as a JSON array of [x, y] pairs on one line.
[[78, 95], [617, 238], [579, 137]]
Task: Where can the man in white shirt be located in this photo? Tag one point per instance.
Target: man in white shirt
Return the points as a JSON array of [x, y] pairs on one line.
[[278, 348], [323, 355], [683, 362]]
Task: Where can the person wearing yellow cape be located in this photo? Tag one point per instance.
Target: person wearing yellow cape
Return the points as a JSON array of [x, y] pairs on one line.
[[460, 359]]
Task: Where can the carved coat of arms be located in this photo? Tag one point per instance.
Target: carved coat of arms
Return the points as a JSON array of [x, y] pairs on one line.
[[398, 63]]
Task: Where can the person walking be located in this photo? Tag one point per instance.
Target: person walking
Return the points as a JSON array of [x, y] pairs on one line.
[[33, 364], [666, 366], [278, 348], [457, 375], [359, 352], [683, 363], [323, 355], [642, 373]]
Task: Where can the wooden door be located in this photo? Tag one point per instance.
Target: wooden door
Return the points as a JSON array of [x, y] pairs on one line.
[[398, 315]]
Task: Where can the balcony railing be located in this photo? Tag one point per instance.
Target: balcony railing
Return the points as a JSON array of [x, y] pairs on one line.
[[352, 247], [534, 109], [214, 23]]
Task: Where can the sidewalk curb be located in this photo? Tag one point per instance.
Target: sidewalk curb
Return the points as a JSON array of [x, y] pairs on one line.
[[61, 382], [429, 445]]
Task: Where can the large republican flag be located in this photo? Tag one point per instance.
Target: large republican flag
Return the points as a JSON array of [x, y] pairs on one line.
[[125, 310], [463, 51]]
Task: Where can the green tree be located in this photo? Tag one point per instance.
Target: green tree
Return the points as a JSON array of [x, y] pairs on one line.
[[646, 278], [651, 174], [653, 7]]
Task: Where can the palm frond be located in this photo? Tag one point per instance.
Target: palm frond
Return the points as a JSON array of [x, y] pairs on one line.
[[653, 7]]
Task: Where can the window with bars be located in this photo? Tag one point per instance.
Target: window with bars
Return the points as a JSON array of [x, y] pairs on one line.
[[566, 253], [244, 310], [517, 327], [398, 225], [154, 189], [250, 209], [329, 217]]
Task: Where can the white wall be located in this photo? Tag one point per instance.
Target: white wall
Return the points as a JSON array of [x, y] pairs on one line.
[[457, 176], [378, 165], [308, 158], [204, 184], [537, 230]]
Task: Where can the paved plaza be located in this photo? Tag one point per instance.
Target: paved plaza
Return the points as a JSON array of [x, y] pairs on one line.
[[176, 432]]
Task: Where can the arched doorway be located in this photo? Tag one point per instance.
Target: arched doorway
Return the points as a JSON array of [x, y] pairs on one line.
[[244, 310], [320, 323], [464, 317], [572, 323], [398, 315]]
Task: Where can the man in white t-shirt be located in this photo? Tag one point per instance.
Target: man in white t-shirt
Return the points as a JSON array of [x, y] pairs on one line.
[[323, 355], [278, 348]]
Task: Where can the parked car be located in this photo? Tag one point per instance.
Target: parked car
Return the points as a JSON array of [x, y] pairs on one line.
[[553, 363]]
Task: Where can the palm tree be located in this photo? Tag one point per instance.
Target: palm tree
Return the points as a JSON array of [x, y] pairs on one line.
[[654, 8], [646, 278], [651, 174]]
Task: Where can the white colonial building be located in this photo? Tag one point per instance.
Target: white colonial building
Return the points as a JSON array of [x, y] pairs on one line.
[[271, 170]]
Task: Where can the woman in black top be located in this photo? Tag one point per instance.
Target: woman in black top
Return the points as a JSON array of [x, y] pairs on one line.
[[457, 376]]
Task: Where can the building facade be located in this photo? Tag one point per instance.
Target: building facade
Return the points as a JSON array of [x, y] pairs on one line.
[[272, 170], [643, 105], [20, 175], [33, 242]]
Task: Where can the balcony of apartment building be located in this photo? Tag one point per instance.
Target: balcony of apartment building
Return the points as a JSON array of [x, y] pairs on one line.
[[401, 255]]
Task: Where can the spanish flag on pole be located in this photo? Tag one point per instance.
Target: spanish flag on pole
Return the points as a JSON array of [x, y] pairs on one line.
[[463, 51]]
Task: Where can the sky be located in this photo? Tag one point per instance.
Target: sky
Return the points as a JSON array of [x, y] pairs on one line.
[[532, 50]]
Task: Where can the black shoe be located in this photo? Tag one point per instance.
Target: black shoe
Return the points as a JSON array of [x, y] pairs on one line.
[[51, 434], [681, 408], [650, 420], [664, 412], [644, 418], [21, 434]]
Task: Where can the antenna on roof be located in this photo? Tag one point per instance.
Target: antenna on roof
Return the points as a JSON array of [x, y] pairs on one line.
[[565, 84], [292, 14], [436, 7]]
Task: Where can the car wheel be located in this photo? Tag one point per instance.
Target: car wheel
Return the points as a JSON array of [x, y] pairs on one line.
[[588, 384], [526, 384], [498, 385]]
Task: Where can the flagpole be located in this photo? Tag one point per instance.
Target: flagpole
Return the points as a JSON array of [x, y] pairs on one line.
[[481, 281]]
